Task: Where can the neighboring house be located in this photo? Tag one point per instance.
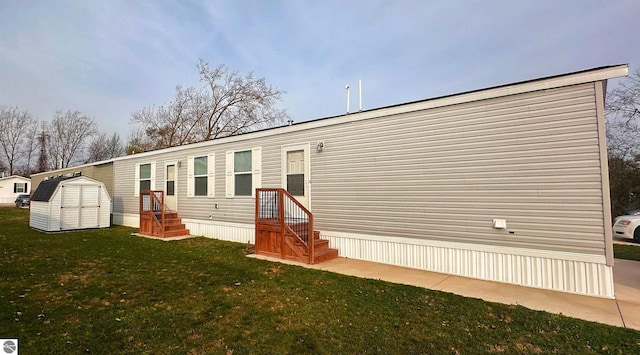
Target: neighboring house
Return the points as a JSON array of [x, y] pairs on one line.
[[507, 184], [12, 186]]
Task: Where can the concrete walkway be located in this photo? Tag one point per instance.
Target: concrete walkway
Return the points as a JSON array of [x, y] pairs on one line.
[[624, 311]]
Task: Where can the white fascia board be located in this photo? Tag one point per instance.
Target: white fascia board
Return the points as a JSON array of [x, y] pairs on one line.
[[15, 177], [505, 90]]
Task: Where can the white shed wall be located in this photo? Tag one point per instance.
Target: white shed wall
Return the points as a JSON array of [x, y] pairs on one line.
[[76, 204], [39, 215]]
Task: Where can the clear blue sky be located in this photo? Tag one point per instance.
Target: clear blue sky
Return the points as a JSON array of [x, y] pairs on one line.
[[108, 59]]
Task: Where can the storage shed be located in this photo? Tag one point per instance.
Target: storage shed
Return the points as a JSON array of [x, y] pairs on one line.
[[70, 202]]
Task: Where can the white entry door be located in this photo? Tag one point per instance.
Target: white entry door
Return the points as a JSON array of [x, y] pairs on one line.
[[296, 174], [171, 187]]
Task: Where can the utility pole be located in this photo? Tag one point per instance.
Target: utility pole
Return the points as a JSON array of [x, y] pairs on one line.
[[42, 161]]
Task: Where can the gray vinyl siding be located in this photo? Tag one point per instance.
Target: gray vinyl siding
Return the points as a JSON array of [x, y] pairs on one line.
[[437, 174], [444, 174]]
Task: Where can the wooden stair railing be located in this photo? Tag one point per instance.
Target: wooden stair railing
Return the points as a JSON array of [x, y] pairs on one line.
[[284, 229], [155, 219]]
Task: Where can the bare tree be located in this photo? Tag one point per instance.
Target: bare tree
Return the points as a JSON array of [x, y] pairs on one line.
[[173, 124], [227, 104], [30, 146], [15, 126], [623, 143], [138, 142], [104, 146], [68, 133], [236, 104]]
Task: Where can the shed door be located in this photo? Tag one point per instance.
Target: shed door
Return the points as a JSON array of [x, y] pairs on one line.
[[79, 207], [89, 206], [70, 206]]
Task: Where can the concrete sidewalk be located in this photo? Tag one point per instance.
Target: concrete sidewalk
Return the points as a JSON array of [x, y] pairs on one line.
[[624, 311]]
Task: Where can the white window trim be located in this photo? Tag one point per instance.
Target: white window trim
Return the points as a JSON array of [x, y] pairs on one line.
[[256, 172], [152, 184], [211, 176], [23, 187]]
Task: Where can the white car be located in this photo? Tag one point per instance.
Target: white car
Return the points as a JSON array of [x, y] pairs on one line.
[[627, 227]]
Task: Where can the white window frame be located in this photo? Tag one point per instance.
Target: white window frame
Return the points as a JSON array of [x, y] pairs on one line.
[[256, 172], [211, 175], [152, 184], [22, 186]]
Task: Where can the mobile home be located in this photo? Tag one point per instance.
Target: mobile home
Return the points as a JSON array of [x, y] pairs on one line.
[[507, 184], [13, 186]]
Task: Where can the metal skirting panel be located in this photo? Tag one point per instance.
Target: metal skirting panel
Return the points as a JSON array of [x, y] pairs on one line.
[[233, 232], [565, 272], [126, 219], [553, 271]]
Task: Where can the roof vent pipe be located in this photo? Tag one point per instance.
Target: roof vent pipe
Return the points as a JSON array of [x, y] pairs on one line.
[[360, 95], [347, 88]]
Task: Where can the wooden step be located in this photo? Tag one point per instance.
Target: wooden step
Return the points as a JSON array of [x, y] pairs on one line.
[[173, 227], [320, 244], [325, 255], [172, 220], [176, 233]]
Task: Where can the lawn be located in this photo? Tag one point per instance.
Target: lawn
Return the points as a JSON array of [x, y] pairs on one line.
[[629, 252], [105, 291]]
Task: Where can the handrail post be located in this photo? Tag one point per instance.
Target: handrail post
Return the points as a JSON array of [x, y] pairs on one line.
[[311, 240], [282, 222], [256, 233], [162, 213]]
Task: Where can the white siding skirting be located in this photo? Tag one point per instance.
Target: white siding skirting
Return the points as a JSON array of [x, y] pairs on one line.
[[233, 232], [582, 274], [126, 219], [567, 272]]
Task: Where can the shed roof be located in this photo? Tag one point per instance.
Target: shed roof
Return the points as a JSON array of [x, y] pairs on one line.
[[47, 187]]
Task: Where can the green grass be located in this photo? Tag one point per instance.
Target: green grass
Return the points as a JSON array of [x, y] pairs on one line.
[[104, 291], [624, 251]]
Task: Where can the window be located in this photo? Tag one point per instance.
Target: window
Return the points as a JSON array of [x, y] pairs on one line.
[[242, 172], [19, 187], [171, 180], [201, 176], [145, 177], [295, 172]]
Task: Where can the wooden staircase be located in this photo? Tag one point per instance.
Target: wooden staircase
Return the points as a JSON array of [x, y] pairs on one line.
[[284, 229], [322, 252], [155, 220], [173, 226]]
